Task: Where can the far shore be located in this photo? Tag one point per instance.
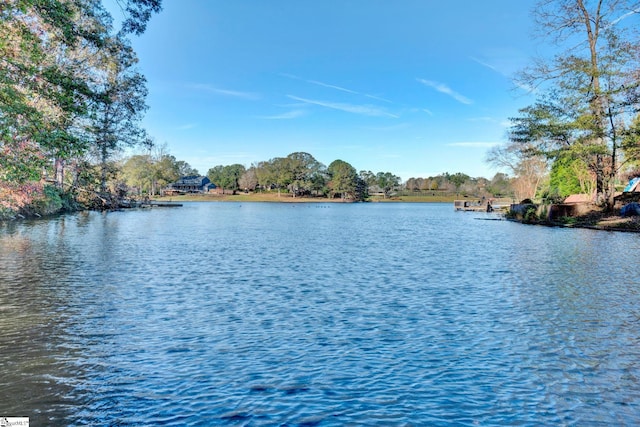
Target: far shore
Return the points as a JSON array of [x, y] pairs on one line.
[[596, 220], [288, 198]]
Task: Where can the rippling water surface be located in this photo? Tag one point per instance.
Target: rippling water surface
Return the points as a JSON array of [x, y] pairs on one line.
[[321, 314]]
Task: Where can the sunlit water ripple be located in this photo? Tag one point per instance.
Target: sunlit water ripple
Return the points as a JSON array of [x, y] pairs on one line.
[[320, 314]]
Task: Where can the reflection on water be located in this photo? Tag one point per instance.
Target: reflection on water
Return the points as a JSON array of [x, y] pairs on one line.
[[327, 314]]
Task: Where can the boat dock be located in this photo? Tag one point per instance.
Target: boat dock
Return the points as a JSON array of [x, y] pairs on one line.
[[482, 205], [164, 204], [472, 205]]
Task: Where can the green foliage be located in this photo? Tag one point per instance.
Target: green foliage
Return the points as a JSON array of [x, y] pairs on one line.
[[568, 220], [343, 179], [458, 179], [118, 105], [631, 141], [531, 214], [564, 176], [589, 91], [368, 177], [56, 101], [500, 185], [137, 172], [307, 173], [138, 13], [387, 182], [185, 169], [164, 171], [6, 213], [49, 203], [226, 177]]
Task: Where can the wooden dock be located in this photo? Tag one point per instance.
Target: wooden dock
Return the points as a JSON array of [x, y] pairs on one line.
[[164, 205], [472, 205], [482, 205]]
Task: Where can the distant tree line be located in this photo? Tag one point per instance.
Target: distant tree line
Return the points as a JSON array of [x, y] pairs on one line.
[[300, 174], [501, 185]]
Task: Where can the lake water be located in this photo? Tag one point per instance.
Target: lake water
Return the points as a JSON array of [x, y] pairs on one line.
[[316, 314]]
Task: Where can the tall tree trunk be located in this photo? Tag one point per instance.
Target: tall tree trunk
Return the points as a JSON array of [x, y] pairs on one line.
[[592, 25], [59, 172], [600, 184], [103, 168], [611, 187]]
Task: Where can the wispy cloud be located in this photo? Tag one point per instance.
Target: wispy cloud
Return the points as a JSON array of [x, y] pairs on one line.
[[473, 144], [377, 98], [429, 112], [489, 66], [186, 126], [504, 61], [443, 88], [527, 88], [226, 92], [330, 86], [366, 110], [625, 16], [506, 67], [335, 87], [285, 116]]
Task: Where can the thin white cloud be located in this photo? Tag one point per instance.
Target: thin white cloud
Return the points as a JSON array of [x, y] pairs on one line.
[[285, 116], [330, 86], [335, 87], [226, 92], [625, 16], [378, 98], [186, 126], [290, 76], [489, 66], [503, 61], [366, 110], [473, 144], [443, 88], [527, 88], [429, 112], [506, 69]]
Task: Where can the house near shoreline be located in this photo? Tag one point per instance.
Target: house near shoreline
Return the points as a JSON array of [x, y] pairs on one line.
[[190, 184]]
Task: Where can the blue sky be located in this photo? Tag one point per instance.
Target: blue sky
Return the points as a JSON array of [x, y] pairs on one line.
[[413, 87]]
